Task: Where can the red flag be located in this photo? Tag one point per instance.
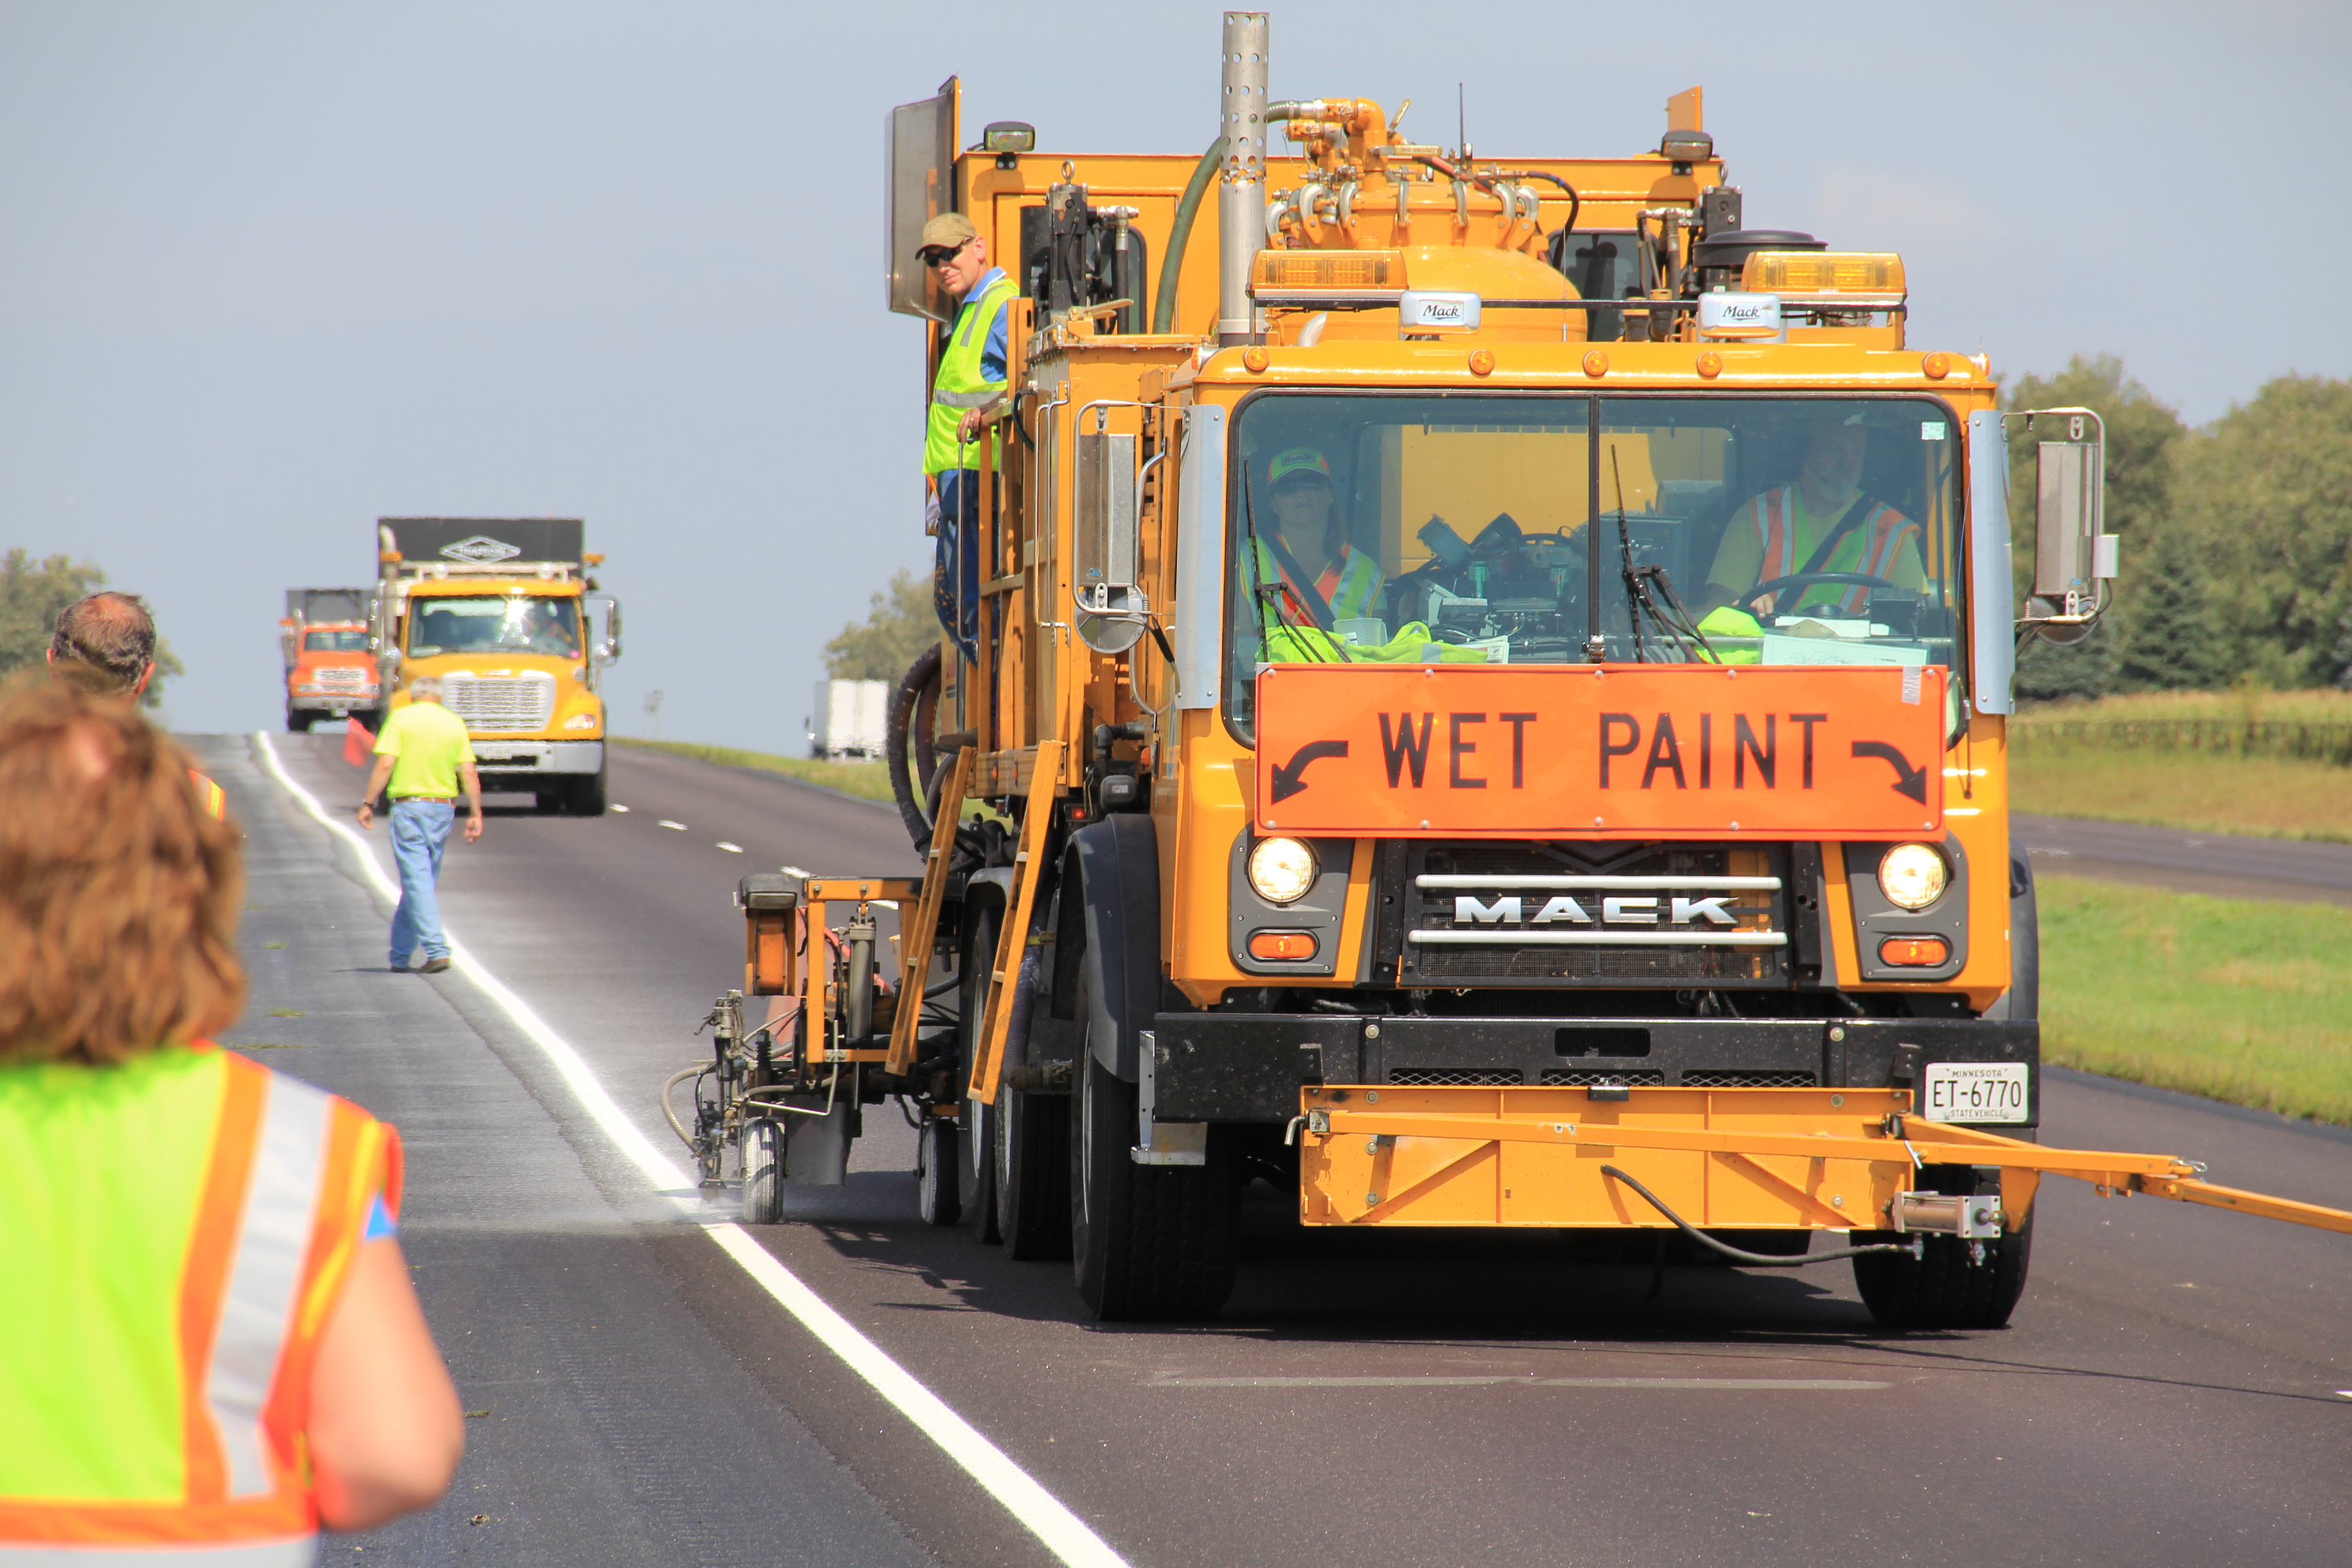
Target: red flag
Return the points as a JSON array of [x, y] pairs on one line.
[[359, 745]]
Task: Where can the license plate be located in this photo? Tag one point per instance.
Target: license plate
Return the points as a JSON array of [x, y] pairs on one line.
[[1976, 1091]]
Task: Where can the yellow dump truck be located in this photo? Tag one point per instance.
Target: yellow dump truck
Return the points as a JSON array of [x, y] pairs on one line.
[[503, 612], [1497, 682]]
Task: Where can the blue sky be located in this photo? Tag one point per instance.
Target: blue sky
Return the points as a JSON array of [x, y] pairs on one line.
[[271, 270]]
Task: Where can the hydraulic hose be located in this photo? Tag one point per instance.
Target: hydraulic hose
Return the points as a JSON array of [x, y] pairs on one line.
[[1753, 1260], [910, 713], [1179, 233]]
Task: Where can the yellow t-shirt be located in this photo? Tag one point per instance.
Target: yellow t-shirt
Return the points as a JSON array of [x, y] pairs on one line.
[[429, 745]]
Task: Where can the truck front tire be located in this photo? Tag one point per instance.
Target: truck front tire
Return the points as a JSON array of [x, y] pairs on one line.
[[1146, 1241], [1945, 1288], [585, 793]]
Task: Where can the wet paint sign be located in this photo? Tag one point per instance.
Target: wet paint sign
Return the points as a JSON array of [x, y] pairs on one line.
[[1617, 751]]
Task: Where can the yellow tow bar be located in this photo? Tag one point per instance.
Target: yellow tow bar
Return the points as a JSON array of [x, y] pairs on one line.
[[1725, 1158]]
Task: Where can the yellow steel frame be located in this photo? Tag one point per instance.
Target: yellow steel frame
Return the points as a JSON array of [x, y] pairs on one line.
[[1729, 1158], [1012, 937], [916, 937], [816, 966]]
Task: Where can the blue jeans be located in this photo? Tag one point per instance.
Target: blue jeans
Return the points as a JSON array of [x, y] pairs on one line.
[[955, 572], [420, 832]]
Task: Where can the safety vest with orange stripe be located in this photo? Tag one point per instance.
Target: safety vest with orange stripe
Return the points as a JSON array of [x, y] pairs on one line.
[[178, 1228], [209, 795], [1872, 549]]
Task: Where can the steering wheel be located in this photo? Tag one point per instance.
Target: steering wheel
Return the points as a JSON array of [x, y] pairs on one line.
[[1806, 579]]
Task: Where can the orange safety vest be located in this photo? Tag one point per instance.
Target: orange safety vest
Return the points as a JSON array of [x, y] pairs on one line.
[[209, 795], [1881, 531], [282, 1200]]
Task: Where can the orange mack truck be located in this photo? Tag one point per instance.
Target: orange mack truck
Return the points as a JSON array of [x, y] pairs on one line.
[[503, 612], [330, 668], [1493, 693]]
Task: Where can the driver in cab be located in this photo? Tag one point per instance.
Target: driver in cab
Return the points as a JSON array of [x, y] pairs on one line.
[[1822, 523], [1306, 575]]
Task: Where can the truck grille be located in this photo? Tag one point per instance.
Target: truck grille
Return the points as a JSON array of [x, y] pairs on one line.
[[1700, 1078], [1587, 1076], [342, 678], [1733, 899], [496, 704], [1454, 1076]]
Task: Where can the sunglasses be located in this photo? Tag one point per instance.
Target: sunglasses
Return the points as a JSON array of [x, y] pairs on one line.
[[939, 255]]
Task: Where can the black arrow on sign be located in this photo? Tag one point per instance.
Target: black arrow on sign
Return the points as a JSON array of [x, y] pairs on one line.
[[1909, 780], [1287, 779]]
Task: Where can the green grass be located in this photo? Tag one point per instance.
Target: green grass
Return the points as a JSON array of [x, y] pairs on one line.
[[2261, 797], [860, 781], [2234, 999]]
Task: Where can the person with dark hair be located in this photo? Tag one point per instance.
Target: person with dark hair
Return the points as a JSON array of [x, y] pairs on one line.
[[213, 1346], [107, 641], [108, 638]]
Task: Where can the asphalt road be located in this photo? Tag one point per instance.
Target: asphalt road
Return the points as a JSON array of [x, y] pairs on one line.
[[2220, 864], [2167, 1393]]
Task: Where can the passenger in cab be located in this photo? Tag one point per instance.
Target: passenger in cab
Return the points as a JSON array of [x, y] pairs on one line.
[[1309, 576], [1823, 522]]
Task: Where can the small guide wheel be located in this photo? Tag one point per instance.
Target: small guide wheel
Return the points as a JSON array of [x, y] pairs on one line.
[[763, 1171]]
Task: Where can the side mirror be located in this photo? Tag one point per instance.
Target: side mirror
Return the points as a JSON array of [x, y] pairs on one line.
[[1112, 608], [2073, 557], [608, 650]]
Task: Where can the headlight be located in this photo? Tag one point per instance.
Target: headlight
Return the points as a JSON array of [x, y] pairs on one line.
[[1281, 870], [581, 721], [1912, 876]]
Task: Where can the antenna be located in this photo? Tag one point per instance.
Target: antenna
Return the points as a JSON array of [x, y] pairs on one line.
[[1460, 122]]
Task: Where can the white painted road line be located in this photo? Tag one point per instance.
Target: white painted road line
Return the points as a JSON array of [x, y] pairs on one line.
[[730, 849], [665, 822], [1500, 1380], [793, 871], [616, 806], [1063, 1532]]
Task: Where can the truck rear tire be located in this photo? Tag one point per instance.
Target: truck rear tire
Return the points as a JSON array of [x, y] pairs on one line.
[[1033, 1174], [1146, 1241], [1943, 1289], [976, 962], [937, 1179]]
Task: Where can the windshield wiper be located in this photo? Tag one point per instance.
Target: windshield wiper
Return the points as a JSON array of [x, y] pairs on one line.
[[1640, 597]]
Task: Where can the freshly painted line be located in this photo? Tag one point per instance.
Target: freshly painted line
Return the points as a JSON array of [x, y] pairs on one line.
[[730, 849], [793, 871], [1062, 1531], [616, 806], [665, 822], [1668, 1384]]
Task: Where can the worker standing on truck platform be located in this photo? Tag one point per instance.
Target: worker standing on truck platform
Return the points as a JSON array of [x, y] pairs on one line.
[[971, 375], [212, 1344], [422, 752], [1823, 522], [108, 640]]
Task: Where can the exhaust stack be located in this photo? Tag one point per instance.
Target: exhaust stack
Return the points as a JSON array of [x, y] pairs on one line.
[[1241, 197]]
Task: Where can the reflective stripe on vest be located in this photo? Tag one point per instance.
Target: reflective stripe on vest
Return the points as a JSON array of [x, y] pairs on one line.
[[1883, 530], [296, 1552], [283, 1196], [209, 795], [960, 386]]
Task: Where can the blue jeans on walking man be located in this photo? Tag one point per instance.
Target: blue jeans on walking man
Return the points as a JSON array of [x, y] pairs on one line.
[[420, 832]]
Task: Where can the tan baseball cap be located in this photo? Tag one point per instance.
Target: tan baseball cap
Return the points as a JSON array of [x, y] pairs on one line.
[[949, 228]]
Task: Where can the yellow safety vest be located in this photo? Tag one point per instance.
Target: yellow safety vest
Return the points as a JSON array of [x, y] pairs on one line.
[[960, 386]]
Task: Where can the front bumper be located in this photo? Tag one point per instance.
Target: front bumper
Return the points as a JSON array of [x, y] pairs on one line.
[[1251, 1067], [335, 702], [508, 761]]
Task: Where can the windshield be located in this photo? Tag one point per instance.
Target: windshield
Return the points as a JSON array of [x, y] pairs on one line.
[[1733, 528], [494, 624], [334, 642]]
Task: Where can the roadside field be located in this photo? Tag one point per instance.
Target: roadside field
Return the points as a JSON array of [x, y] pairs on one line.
[[2259, 763], [863, 780], [2237, 1000]]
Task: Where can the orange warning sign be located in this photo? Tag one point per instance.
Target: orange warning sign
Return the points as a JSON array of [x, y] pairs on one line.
[[1610, 751]]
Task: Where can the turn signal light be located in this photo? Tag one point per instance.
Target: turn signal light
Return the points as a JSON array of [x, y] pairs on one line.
[[1281, 946], [1915, 952]]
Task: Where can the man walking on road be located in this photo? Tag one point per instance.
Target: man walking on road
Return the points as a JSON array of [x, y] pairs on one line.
[[422, 752]]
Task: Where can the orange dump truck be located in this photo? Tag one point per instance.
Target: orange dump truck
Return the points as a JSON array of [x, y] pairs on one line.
[[502, 610], [330, 667], [1495, 697]]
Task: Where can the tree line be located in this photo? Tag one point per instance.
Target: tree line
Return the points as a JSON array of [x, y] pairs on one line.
[[2236, 538]]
